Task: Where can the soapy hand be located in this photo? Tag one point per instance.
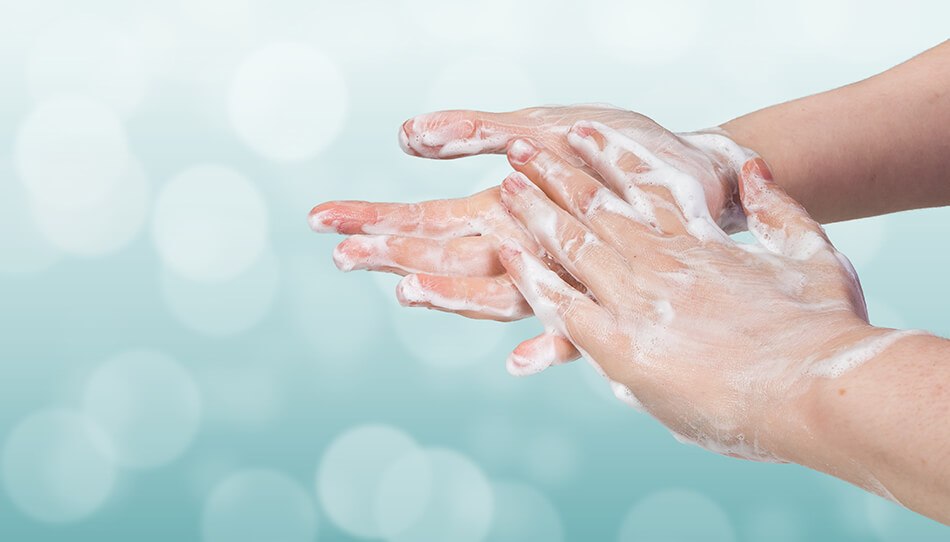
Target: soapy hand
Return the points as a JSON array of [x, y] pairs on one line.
[[713, 337], [447, 248]]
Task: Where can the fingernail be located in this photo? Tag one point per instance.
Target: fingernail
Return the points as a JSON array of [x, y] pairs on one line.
[[508, 250], [760, 170], [521, 151], [582, 130], [514, 183]]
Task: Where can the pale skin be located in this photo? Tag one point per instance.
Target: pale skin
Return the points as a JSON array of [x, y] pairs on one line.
[[877, 146]]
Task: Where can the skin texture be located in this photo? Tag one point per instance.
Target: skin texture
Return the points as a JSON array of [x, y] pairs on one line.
[[796, 375]]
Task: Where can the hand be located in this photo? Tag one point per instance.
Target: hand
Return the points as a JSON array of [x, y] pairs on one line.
[[447, 248], [710, 156], [715, 338]]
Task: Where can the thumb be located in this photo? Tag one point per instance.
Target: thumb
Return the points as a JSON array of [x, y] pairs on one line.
[[776, 220]]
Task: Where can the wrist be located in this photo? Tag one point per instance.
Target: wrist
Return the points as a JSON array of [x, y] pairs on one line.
[[824, 426]]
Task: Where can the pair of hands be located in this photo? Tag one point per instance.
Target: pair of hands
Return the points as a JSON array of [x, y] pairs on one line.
[[447, 248], [612, 231]]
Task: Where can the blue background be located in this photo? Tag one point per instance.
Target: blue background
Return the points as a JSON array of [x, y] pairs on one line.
[[279, 355]]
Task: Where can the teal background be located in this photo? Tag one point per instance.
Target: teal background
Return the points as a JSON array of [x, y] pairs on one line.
[[289, 353]]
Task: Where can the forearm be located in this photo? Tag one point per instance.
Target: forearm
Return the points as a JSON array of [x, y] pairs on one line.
[[884, 425], [878, 146]]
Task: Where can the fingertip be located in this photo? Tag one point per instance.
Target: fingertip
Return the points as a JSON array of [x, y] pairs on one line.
[[404, 138], [509, 250], [515, 182], [409, 291], [521, 151], [319, 219], [518, 365], [583, 129], [341, 258]]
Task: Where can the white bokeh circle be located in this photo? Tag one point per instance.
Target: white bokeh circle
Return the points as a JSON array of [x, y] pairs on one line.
[[447, 341], [523, 513], [259, 504], [352, 471], [659, 516], [645, 32], [403, 494], [228, 306], [461, 503], [24, 248], [209, 223], [90, 57], [102, 226], [54, 466], [147, 404], [71, 151], [288, 101], [484, 82]]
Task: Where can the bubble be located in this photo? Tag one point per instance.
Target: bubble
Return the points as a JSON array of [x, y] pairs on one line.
[[351, 472], [259, 504], [646, 32], [24, 248], [70, 152], [482, 82], [225, 307], [447, 341], [288, 101], [147, 404], [523, 513], [894, 523], [100, 227], [54, 468], [659, 516], [461, 503], [88, 57], [210, 223]]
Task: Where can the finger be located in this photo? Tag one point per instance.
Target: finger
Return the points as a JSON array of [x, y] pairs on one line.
[[583, 254], [576, 192], [436, 219], [474, 256], [537, 354], [453, 134], [636, 174], [560, 308], [483, 298], [776, 220]]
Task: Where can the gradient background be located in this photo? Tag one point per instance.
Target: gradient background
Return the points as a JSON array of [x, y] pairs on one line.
[[179, 357]]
